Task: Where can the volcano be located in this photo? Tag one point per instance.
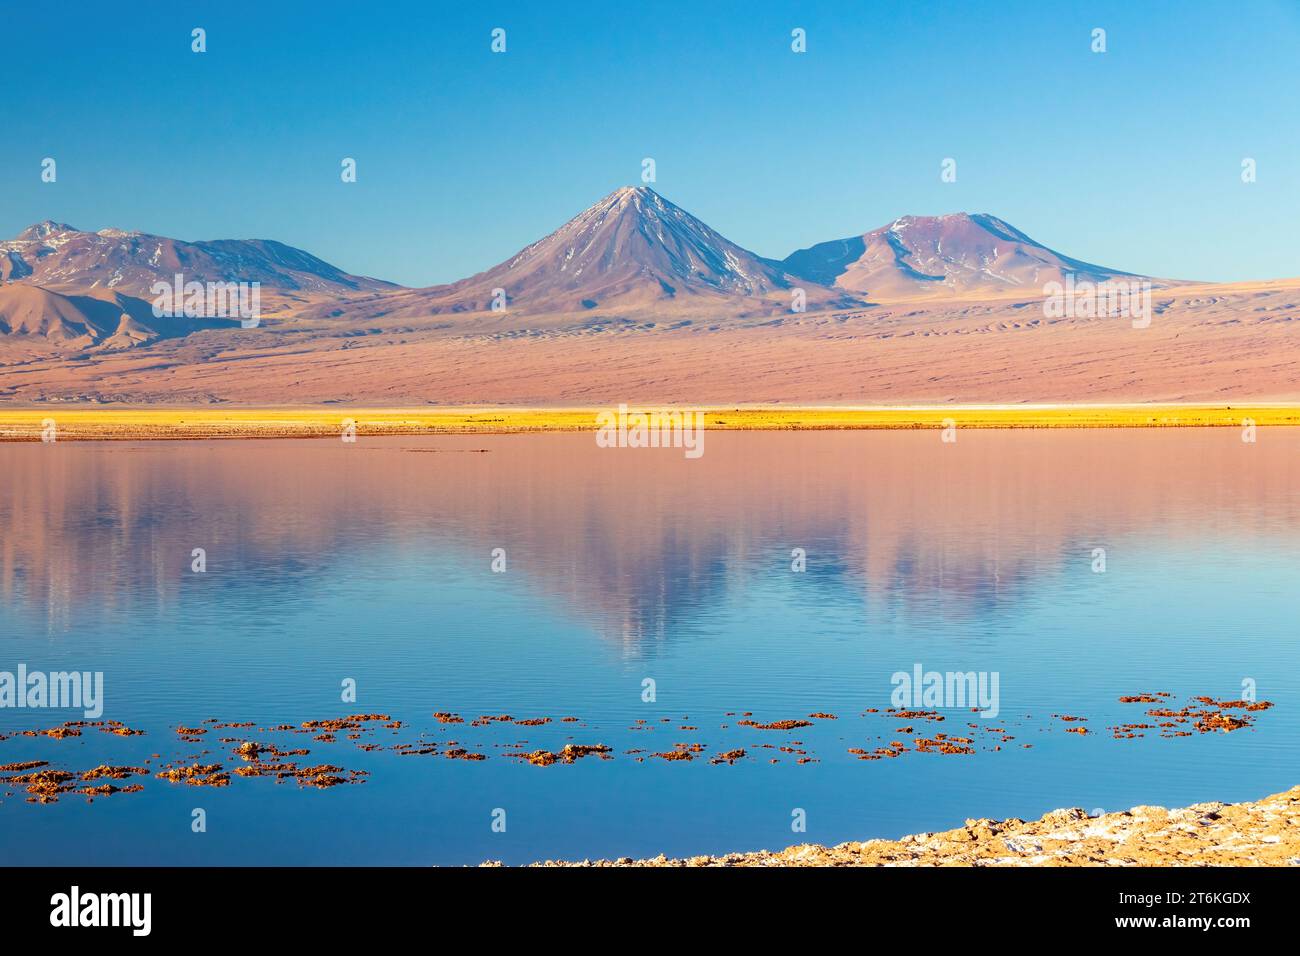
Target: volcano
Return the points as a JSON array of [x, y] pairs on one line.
[[955, 256], [633, 251]]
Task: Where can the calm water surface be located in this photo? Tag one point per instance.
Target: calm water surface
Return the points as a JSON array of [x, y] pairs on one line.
[[328, 561]]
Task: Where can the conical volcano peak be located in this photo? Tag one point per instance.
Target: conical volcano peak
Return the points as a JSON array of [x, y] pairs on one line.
[[634, 201], [632, 249], [625, 193]]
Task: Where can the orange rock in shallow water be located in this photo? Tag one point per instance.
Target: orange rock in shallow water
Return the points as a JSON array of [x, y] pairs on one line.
[[322, 781], [115, 773], [105, 789], [1225, 722], [459, 753], [570, 753], [728, 757], [197, 775], [120, 729], [24, 765], [936, 745], [45, 786], [538, 758], [675, 755]]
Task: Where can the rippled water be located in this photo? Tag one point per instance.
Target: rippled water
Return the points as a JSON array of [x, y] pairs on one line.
[[372, 561]]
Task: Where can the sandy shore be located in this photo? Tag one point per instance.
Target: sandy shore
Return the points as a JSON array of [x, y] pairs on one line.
[[80, 423], [1263, 833]]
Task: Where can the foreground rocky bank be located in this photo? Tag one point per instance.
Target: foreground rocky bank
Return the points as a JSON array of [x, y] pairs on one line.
[[1262, 833]]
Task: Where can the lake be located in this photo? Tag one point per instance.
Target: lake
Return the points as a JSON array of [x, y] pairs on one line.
[[669, 605]]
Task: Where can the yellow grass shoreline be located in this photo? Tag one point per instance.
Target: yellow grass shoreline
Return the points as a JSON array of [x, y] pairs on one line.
[[145, 423]]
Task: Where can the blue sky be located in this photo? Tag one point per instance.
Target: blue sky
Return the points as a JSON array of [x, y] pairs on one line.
[[1130, 159]]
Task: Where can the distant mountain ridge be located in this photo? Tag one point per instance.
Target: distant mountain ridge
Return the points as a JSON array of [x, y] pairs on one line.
[[636, 300], [58, 256], [631, 257], [632, 250], [961, 254]]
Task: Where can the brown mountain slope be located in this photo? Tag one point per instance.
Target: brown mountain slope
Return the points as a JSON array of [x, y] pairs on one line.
[[36, 320], [959, 255], [32, 311], [631, 252], [58, 256]]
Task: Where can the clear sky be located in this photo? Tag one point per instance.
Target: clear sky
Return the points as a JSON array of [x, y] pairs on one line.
[[1130, 159]]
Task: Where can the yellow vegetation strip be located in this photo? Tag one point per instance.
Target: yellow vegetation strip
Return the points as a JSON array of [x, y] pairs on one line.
[[125, 423]]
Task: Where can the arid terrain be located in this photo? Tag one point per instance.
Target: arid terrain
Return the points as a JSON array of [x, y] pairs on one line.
[[1263, 833], [1204, 344], [634, 300]]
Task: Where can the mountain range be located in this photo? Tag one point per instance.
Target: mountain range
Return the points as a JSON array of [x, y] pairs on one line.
[[81, 290], [57, 256], [634, 250], [632, 299], [631, 253]]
